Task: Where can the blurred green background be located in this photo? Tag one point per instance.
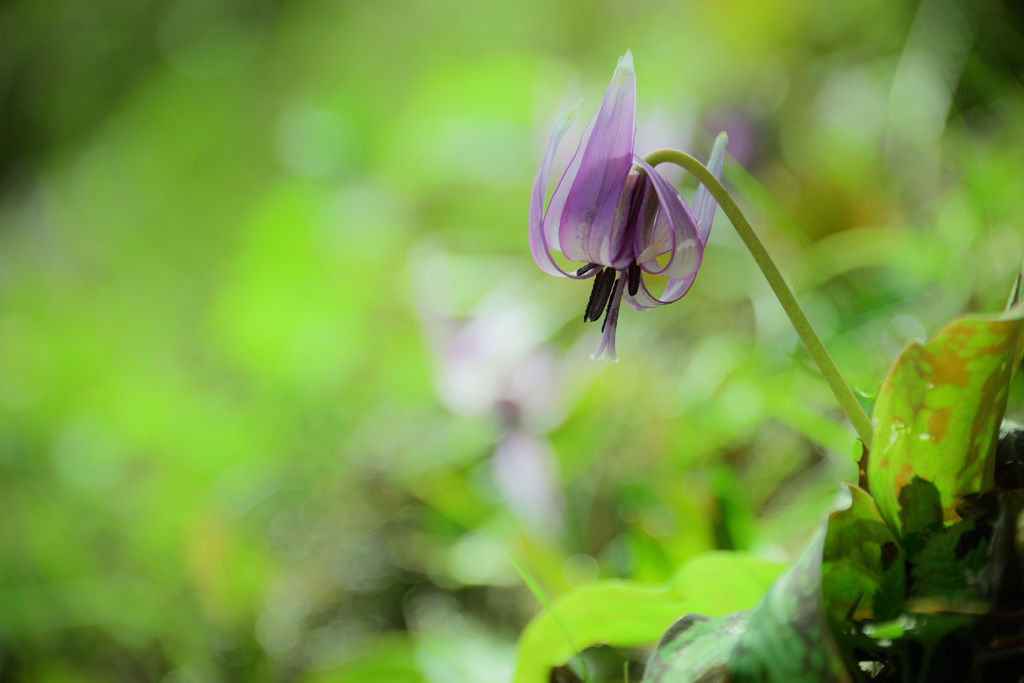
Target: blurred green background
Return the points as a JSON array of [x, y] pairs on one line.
[[280, 383]]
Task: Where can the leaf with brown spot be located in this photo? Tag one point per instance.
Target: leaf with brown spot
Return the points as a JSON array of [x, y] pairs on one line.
[[938, 414]]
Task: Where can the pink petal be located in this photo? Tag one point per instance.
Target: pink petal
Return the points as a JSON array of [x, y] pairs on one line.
[[583, 209], [643, 300], [686, 249], [703, 203], [540, 246]]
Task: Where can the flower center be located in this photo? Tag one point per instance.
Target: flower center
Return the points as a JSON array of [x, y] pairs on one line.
[[638, 205]]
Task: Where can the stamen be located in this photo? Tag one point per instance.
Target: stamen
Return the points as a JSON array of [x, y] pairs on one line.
[[587, 268], [599, 294], [611, 304], [633, 273]]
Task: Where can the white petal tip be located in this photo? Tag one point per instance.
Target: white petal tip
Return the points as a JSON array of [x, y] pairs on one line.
[[624, 69], [567, 118]]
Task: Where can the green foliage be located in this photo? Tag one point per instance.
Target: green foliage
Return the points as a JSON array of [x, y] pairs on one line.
[[696, 648], [549, 612], [891, 594], [787, 636], [247, 247], [853, 564], [630, 614], [937, 420], [937, 569], [926, 582]]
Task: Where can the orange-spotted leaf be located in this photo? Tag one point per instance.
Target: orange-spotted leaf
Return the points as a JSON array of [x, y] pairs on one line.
[[937, 419]]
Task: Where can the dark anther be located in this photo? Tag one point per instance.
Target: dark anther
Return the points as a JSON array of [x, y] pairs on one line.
[[599, 294], [587, 268], [608, 311], [633, 273]]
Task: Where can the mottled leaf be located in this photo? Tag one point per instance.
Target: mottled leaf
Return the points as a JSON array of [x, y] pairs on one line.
[[787, 637], [696, 648], [853, 564], [937, 419]]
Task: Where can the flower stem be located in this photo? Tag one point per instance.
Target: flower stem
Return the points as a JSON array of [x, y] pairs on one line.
[[847, 401]]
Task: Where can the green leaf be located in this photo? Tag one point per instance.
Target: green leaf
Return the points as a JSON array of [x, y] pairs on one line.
[[937, 419], [891, 596], [720, 582], [852, 564], [629, 613], [937, 571], [787, 637], [695, 648]]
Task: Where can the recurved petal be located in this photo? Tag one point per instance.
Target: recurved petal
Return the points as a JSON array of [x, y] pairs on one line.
[[583, 208], [540, 246], [643, 300], [675, 233], [703, 203], [654, 235]]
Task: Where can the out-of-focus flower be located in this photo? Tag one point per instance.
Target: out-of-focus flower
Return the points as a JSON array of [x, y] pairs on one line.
[[615, 214], [493, 362]]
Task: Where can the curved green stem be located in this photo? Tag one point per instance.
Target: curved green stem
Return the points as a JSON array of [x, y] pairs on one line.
[[828, 368]]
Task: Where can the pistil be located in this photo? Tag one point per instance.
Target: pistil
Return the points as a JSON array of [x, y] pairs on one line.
[[613, 303]]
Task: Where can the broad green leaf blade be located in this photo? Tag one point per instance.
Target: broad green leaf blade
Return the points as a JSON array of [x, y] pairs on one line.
[[937, 419], [695, 647], [787, 639], [852, 564], [722, 582], [629, 614], [622, 613]]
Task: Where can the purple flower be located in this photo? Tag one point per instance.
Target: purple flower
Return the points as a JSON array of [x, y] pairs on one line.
[[613, 213]]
